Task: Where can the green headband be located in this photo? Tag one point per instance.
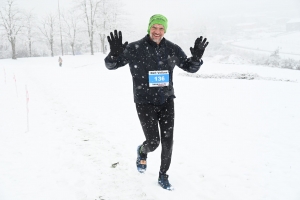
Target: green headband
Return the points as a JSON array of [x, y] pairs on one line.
[[158, 19]]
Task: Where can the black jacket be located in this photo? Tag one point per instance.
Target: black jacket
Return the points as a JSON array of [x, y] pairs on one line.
[[144, 56]]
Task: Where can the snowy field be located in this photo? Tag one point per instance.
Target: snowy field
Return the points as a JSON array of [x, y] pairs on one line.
[[288, 44], [62, 129]]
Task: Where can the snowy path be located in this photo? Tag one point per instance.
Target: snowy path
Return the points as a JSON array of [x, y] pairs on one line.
[[234, 139]]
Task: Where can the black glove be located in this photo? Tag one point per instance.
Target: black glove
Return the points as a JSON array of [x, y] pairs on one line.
[[198, 49], [115, 43]]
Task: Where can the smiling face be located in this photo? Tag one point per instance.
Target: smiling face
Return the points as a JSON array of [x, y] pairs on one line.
[[157, 32]]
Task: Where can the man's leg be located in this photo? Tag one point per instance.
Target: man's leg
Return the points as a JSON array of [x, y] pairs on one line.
[[149, 121], [166, 123]]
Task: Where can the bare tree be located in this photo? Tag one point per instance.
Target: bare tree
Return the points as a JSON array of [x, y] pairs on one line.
[[29, 30], [4, 46], [12, 19], [90, 10], [48, 30], [61, 40], [103, 25], [71, 28], [111, 17]]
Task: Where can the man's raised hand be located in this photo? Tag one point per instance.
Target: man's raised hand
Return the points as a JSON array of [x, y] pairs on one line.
[[115, 43], [199, 48]]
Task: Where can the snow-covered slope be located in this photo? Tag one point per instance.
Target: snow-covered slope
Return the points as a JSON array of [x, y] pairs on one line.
[[234, 138]]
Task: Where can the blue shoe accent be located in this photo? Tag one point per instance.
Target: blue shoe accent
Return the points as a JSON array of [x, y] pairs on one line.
[[141, 162], [163, 181]]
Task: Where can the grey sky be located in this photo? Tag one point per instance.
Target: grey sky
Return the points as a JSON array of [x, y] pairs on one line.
[[181, 13], [184, 8]]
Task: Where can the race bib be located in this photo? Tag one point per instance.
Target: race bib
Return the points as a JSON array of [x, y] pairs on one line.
[[158, 78]]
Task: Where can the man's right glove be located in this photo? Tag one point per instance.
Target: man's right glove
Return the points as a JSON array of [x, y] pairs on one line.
[[199, 48], [115, 43]]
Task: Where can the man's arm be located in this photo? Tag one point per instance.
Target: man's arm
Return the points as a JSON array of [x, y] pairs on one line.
[[193, 63], [185, 63], [116, 57]]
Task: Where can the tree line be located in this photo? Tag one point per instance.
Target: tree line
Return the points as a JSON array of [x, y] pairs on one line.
[[78, 30]]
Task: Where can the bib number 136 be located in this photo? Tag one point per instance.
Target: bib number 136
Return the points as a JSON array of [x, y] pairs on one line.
[[158, 78]]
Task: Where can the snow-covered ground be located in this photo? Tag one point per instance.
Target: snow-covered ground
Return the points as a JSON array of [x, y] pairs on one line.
[[236, 138], [288, 44]]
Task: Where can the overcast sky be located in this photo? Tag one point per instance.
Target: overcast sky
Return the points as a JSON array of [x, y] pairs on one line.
[[182, 12], [183, 8]]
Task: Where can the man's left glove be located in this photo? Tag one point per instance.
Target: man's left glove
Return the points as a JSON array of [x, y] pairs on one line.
[[115, 43], [199, 48]]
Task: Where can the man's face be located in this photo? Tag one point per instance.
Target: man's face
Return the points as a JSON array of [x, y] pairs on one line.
[[157, 32]]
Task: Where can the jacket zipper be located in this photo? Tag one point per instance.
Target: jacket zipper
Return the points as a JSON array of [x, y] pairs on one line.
[[160, 90]]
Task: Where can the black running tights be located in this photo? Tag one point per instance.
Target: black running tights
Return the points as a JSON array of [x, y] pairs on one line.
[[158, 123]]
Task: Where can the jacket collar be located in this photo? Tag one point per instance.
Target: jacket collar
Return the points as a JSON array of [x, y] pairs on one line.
[[152, 43]]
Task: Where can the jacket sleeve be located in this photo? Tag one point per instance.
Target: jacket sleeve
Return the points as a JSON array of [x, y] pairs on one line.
[[186, 63], [112, 62]]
